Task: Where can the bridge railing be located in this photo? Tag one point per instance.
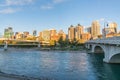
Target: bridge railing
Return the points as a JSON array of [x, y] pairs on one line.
[[113, 40]]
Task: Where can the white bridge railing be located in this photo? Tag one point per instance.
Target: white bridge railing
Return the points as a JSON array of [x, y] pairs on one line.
[[112, 40]]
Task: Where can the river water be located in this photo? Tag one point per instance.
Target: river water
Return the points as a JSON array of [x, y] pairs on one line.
[[57, 65]]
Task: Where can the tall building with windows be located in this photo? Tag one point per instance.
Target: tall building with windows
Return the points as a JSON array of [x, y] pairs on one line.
[[113, 27], [110, 30], [53, 35], [34, 33], [78, 31], [8, 32], [71, 33], [46, 35], [95, 29]]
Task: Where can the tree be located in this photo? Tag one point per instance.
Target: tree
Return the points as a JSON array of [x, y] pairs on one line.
[[63, 43], [73, 43], [60, 41]]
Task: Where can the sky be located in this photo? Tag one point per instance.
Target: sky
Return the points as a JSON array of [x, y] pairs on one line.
[[29, 15]]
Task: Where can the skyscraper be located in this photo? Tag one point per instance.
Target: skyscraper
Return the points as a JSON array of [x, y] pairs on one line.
[[71, 33], [78, 31], [95, 29], [8, 32]]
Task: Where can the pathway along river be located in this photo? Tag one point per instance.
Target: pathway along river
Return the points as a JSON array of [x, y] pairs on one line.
[[57, 65]]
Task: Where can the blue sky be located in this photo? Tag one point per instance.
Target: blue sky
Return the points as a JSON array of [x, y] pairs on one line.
[[29, 15]]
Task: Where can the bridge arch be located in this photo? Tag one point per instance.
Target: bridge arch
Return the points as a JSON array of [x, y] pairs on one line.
[[115, 58], [99, 49]]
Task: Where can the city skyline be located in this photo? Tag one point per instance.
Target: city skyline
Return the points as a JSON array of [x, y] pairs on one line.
[[29, 15]]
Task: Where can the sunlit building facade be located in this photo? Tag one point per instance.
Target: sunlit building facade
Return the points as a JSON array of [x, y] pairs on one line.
[[110, 30], [85, 36], [19, 35], [78, 31], [71, 33], [95, 29], [46, 35], [26, 34], [53, 35], [113, 27]]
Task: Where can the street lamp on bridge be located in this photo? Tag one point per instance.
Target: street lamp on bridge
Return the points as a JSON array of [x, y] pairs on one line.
[[104, 30]]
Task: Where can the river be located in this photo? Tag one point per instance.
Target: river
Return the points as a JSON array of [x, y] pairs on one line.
[[57, 65]]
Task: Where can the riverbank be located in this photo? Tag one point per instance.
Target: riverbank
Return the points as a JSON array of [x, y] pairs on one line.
[[49, 48], [21, 45]]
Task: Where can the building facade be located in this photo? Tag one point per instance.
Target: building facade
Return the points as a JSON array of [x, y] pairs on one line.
[[71, 33], [110, 30], [78, 31], [8, 32], [53, 35], [113, 27], [34, 33], [46, 35], [95, 29]]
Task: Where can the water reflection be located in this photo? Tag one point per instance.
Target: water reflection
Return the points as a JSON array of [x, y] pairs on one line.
[[57, 65]]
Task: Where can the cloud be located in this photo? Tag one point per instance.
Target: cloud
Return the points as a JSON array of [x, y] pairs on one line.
[[16, 2], [8, 6], [51, 5], [46, 7], [58, 1], [8, 11]]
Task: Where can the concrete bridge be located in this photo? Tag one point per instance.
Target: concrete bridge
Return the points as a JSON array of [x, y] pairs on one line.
[[109, 46]]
